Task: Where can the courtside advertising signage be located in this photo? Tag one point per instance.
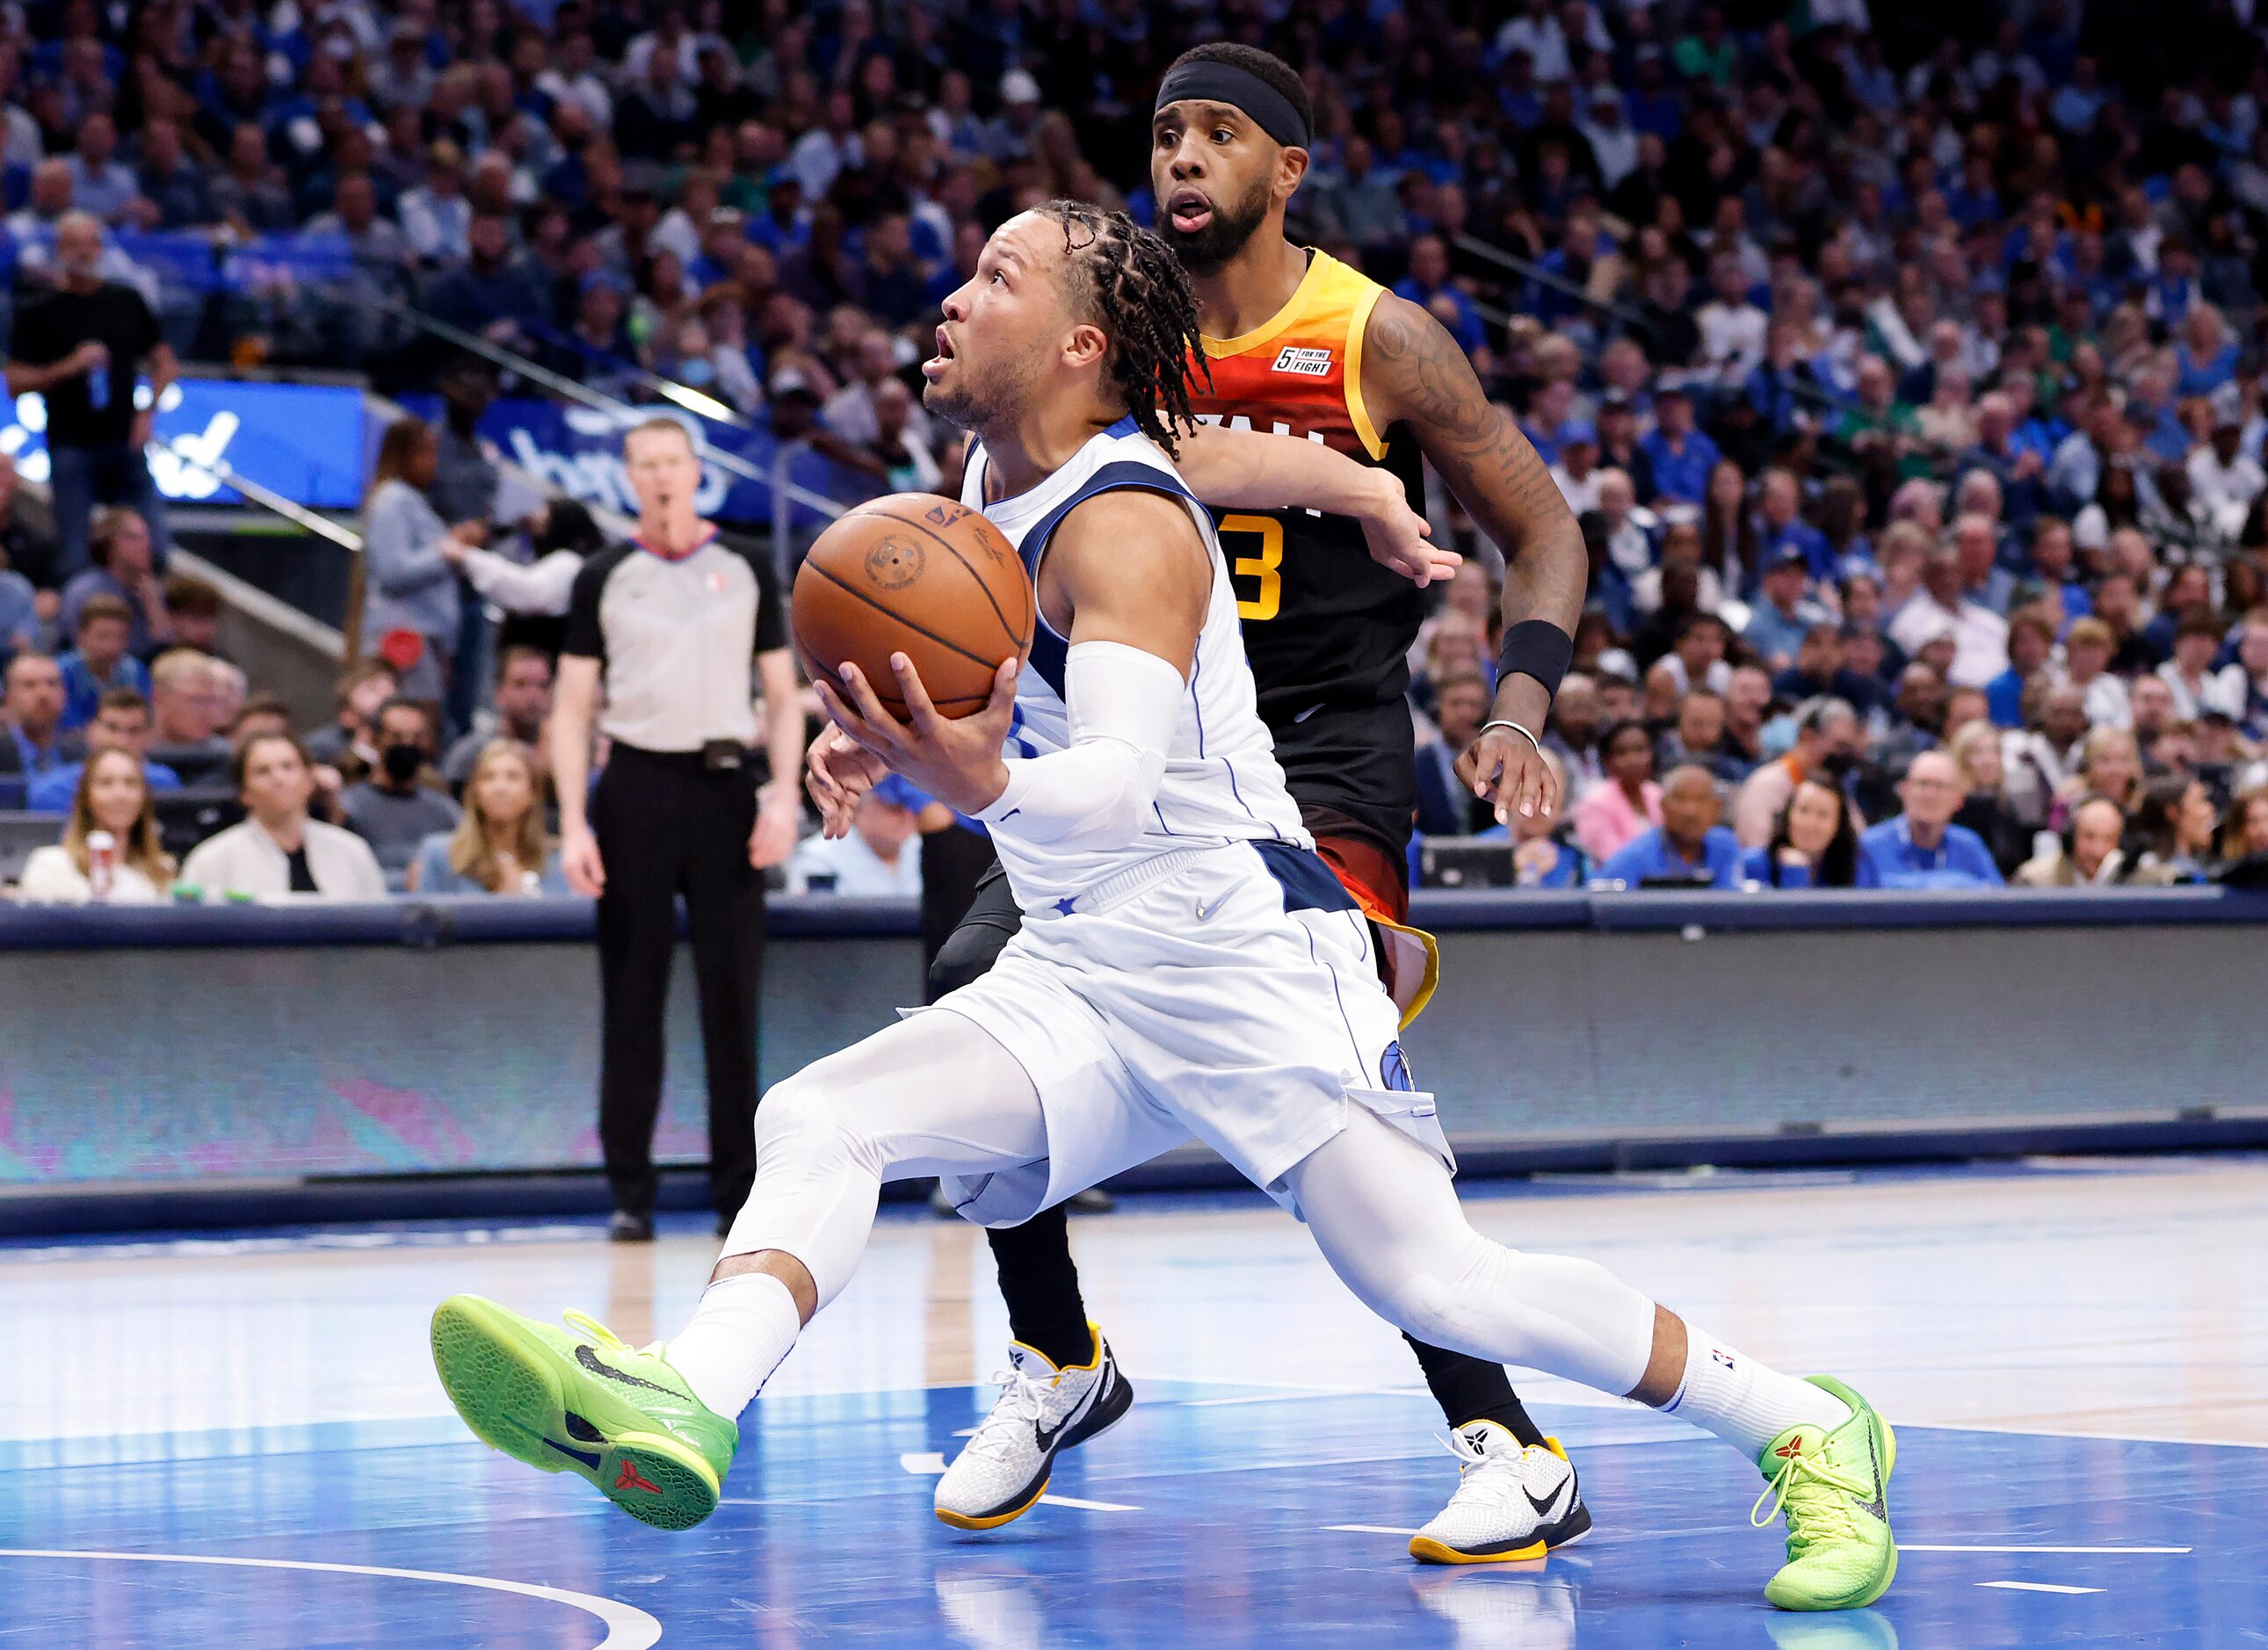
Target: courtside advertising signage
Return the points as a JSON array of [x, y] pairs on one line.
[[306, 441]]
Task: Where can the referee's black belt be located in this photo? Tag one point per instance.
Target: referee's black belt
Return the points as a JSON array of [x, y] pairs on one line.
[[718, 756]]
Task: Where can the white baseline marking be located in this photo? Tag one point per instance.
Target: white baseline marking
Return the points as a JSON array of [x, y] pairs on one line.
[[1912, 1546], [1090, 1506], [2038, 1586], [628, 1627], [923, 1461], [1371, 1529]]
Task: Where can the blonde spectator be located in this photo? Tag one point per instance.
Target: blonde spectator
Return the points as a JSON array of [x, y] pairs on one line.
[[2109, 764], [2086, 652], [186, 699], [500, 846], [112, 797], [278, 852]]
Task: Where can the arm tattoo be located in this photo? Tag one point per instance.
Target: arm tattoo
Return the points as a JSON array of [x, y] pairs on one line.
[[1422, 378]]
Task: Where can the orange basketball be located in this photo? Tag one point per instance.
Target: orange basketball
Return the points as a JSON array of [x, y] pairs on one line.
[[919, 575]]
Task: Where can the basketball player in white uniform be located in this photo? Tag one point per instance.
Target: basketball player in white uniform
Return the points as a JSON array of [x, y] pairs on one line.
[[1187, 967]]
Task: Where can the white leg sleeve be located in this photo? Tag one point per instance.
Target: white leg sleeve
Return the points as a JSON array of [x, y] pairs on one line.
[[1386, 1217], [930, 1096]]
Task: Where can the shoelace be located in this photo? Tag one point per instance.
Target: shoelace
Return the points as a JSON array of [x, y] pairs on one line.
[[606, 1337], [1807, 1492], [1022, 1400], [1474, 1482]]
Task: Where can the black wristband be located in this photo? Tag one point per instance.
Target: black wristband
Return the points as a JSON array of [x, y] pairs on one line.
[[1537, 648]]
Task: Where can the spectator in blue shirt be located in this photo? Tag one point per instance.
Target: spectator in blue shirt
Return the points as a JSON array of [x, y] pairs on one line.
[[100, 661], [1681, 456], [1543, 851], [1780, 621], [122, 723], [32, 738], [1922, 848], [1427, 286], [1780, 526], [2031, 640], [1689, 845], [1813, 845]]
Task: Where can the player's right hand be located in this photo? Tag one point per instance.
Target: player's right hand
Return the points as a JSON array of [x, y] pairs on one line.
[[1398, 538], [839, 772], [578, 858]]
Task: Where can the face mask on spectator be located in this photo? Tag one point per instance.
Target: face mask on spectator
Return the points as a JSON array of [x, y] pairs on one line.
[[402, 763]]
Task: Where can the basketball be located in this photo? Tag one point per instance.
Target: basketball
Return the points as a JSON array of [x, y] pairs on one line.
[[920, 575]]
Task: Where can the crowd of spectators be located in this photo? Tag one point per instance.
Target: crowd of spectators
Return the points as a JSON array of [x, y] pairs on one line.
[[1903, 366]]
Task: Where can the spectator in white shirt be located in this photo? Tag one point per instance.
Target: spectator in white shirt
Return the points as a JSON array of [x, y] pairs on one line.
[[2198, 686], [278, 852], [2222, 477], [2086, 652], [1980, 636], [437, 219], [824, 152], [1576, 474], [878, 858], [1731, 328], [113, 798]]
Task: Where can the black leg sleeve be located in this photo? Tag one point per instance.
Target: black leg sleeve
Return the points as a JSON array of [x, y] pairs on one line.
[[1040, 1283], [1471, 1390], [638, 931]]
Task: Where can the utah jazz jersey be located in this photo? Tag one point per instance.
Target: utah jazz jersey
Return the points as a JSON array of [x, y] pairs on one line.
[[1328, 631]]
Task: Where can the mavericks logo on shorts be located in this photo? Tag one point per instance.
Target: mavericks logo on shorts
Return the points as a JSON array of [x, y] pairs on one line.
[[1306, 362], [1394, 1070]]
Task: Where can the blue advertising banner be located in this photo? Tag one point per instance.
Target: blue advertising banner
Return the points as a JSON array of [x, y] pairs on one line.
[[579, 450], [308, 442]]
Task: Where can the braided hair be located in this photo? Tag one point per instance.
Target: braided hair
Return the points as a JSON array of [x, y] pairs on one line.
[[1130, 283]]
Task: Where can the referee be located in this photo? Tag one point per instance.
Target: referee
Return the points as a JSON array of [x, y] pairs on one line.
[[673, 619]]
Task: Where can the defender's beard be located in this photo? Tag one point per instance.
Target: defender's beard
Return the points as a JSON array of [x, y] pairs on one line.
[[1208, 250]]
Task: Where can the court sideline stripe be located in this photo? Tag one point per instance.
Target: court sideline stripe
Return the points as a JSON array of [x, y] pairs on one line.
[[628, 1627], [1915, 1546], [2038, 1586]]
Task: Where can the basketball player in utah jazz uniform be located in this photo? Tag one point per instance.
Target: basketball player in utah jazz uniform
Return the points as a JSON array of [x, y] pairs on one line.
[[1298, 343], [1187, 967]]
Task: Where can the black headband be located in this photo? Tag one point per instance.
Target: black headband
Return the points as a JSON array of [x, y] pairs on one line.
[[1240, 89]]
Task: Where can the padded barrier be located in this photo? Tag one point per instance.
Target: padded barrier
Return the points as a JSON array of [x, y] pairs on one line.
[[359, 1052]]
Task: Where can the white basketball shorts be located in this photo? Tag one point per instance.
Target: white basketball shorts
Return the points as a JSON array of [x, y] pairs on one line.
[[1233, 997]]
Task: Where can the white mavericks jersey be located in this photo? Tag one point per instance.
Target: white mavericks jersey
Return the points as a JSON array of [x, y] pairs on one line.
[[1222, 783]]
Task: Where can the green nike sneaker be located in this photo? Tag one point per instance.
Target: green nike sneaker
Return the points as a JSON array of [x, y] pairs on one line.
[[1835, 1489], [586, 1403]]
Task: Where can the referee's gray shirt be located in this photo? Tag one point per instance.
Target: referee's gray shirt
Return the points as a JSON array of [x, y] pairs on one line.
[[677, 638]]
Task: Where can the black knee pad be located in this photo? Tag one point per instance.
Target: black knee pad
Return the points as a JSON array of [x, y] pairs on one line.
[[968, 955]]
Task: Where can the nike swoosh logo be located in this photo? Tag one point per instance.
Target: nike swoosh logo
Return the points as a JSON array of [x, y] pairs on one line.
[[592, 1462], [1543, 1508], [1045, 1438], [1880, 1506], [589, 1358]]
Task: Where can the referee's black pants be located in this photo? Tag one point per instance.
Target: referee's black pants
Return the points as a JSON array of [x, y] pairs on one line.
[[668, 826]]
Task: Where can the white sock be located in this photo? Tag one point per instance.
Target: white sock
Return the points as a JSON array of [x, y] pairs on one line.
[[1748, 1405], [743, 1327]]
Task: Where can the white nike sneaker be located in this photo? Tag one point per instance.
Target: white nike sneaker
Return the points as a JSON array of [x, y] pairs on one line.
[[1042, 1411], [1511, 1502]]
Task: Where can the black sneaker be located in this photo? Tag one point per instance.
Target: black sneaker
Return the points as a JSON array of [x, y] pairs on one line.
[[626, 1227]]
